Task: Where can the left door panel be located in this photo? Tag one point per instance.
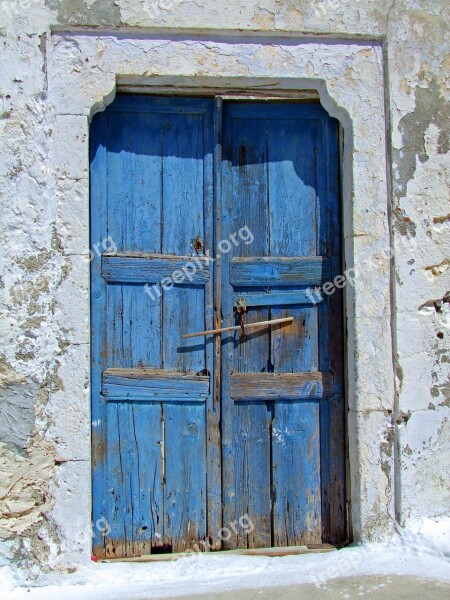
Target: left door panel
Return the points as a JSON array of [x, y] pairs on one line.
[[151, 210]]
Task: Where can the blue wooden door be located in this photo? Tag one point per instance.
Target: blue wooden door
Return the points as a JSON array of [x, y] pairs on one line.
[[191, 435]]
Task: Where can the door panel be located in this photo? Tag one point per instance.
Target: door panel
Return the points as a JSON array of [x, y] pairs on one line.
[[151, 180], [190, 435], [274, 425]]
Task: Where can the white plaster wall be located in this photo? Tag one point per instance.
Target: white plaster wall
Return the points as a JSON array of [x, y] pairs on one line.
[[49, 86], [419, 50]]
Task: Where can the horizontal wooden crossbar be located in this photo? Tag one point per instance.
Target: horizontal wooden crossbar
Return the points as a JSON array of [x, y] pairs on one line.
[[281, 386], [285, 271], [272, 322], [135, 267], [279, 298], [153, 385]]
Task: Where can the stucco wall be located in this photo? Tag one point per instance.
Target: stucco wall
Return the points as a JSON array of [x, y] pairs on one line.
[[44, 231]]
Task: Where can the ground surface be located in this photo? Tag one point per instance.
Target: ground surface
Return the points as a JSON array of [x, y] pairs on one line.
[[373, 588], [411, 565]]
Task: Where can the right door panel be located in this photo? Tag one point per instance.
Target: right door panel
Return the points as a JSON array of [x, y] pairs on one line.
[[283, 439]]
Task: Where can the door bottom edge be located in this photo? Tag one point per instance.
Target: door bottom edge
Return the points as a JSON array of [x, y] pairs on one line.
[[268, 552]]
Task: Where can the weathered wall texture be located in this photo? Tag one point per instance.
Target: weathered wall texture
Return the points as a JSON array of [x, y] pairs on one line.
[[44, 329], [419, 63]]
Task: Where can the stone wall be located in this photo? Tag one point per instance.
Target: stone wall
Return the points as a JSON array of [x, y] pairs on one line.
[[50, 84]]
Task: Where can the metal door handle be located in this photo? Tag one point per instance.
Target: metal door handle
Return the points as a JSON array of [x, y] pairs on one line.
[[239, 327]]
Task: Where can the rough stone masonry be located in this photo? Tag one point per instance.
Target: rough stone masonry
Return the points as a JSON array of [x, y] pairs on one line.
[[381, 68]]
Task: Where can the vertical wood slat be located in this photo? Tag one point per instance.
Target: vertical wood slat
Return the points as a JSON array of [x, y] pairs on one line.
[[295, 427], [213, 408], [333, 434], [136, 501], [183, 202], [245, 427], [133, 221], [98, 219]]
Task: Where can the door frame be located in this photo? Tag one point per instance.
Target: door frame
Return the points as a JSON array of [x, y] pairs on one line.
[[319, 66]]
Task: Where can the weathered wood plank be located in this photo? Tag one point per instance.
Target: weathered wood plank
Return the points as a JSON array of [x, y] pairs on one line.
[[296, 473], [135, 496], [98, 232], [213, 289], [119, 541], [272, 552], [279, 298], [142, 104], [118, 496], [247, 387], [127, 267], [152, 384], [245, 427], [133, 216], [141, 327], [183, 206], [185, 475], [294, 216], [333, 434], [284, 271]]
